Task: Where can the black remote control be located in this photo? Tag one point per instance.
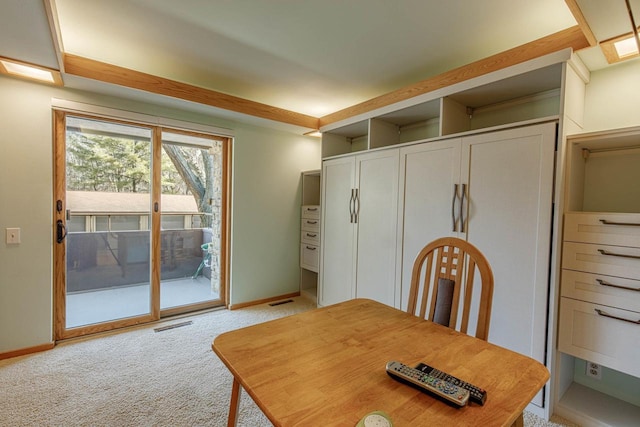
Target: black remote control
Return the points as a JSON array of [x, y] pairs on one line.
[[425, 382], [476, 394]]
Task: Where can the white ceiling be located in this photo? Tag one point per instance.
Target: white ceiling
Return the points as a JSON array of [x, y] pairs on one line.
[[308, 56]]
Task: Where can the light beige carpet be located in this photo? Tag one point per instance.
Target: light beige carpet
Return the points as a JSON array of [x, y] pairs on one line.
[[138, 377]]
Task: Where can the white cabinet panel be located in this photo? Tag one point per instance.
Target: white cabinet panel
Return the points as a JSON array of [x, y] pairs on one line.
[[617, 261], [620, 229], [430, 174], [311, 211], [509, 212], [337, 273], [310, 237], [310, 224], [309, 255], [600, 334], [377, 220], [359, 209], [600, 289]]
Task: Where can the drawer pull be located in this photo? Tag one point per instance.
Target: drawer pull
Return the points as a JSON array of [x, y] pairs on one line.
[[632, 224], [310, 248], [314, 235], [312, 209], [603, 283], [603, 252], [602, 313], [312, 222]]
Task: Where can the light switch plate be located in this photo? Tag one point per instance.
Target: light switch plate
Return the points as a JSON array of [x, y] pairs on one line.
[[13, 236]]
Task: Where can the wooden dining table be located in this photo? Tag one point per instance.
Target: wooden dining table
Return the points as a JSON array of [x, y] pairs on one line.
[[326, 367]]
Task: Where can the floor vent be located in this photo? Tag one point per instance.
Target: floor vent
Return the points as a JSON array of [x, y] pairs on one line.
[[273, 304], [175, 325]]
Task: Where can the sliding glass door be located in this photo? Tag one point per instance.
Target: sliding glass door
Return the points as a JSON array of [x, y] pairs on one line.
[[108, 206], [140, 223], [191, 219]]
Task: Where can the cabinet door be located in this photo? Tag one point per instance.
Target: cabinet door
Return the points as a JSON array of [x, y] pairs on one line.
[[429, 174], [337, 271], [509, 212], [377, 185]]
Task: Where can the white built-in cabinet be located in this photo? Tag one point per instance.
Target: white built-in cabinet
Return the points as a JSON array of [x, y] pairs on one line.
[[359, 220], [479, 159], [495, 190], [599, 319], [310, 233]]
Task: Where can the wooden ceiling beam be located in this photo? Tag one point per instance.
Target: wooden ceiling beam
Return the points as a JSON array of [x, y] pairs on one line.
[[108, 73], [571, 37], [582, 21]]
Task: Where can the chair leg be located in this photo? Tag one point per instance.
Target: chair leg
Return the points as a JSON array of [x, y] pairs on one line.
[[519, 422], [235, 403]]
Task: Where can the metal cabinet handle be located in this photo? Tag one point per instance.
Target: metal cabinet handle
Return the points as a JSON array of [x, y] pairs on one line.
[[454, 220], [311, 248], [464, 192], [312, 222], [603, 252], [632, 224], [603, 283], [356, 206], [311, 235], [351, 205], [312, 209], [602, 313]]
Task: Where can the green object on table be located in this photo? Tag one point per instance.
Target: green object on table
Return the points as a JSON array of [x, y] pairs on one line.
[[375, 419]]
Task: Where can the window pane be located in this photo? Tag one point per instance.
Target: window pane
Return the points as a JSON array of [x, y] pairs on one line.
[[191, 219]]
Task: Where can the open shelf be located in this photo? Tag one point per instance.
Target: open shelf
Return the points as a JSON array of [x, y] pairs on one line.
[[526, 96], [602, 169], [592, 408]]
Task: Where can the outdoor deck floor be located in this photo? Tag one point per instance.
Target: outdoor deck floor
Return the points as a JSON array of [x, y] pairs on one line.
[[95, 306]]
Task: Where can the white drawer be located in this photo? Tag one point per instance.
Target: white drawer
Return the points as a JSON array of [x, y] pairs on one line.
[[600, 289], [310, 237], [616, 261], [309, 257], [604, 228], [311, 211], [309, 224], [599, 337]]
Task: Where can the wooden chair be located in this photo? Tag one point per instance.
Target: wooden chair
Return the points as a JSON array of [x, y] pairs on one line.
[[455, 260], [450, 256]]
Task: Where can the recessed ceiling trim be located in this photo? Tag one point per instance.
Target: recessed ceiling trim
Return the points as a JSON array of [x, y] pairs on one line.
[[611, 53], [570, 38], [96, 70], [23, 70]]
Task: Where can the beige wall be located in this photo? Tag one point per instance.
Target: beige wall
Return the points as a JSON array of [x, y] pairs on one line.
[[266, 185], [612, 99], [266, 197]]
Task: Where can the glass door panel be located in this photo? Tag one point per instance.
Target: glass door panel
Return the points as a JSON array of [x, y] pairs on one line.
[[191, 206], [108, 239]]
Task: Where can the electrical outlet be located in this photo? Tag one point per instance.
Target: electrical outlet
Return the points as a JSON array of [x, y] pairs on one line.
[[13, 236], [594, 370]]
